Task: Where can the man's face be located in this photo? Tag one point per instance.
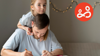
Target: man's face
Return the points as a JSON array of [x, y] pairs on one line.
[[39, 33]]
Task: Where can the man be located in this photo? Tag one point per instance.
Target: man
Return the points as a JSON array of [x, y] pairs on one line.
[[42, 43]]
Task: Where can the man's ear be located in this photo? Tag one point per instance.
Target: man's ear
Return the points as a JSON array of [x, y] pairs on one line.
[[32, 23], [32, 7]]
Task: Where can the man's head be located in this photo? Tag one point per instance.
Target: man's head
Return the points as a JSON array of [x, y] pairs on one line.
[[40, 26]]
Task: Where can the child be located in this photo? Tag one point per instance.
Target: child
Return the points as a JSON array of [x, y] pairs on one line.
[[37, 7]]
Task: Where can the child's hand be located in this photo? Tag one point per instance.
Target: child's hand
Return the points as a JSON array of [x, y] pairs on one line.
[[28, 30]]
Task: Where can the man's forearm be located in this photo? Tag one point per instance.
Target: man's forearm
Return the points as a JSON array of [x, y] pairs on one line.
[[6, 52], [57, 52]]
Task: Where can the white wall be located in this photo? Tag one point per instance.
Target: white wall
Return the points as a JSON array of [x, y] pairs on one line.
[[48, 8], [69, 29]]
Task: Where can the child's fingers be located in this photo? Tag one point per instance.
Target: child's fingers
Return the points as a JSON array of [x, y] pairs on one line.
[[28, 33], [29, 29]]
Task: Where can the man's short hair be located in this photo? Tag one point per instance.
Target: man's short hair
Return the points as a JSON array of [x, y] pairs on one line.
[[41, 21]]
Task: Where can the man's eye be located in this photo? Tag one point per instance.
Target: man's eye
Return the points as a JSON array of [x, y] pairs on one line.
[[37, 32]]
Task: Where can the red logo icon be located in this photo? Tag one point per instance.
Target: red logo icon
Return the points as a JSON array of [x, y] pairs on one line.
[[84, 11]]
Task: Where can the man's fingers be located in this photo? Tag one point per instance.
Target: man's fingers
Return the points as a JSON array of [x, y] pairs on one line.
[[29, 55], [43, 51], [25, 49], [47, 51], [28, 52]]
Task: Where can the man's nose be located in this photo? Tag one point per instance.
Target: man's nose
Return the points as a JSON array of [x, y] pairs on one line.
[[39, 35]]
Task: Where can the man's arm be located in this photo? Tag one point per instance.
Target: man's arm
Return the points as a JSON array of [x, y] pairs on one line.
[[12, 44], [7, 52], [56, 46], [57, 52]]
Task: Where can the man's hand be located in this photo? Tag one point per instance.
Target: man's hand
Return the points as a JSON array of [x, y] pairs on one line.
[[46, 53], [26, 53]]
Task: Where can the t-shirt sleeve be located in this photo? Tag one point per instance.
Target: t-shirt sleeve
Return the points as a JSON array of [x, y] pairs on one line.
[[26, 19], [22, 20], [55, 44], [13, 42]]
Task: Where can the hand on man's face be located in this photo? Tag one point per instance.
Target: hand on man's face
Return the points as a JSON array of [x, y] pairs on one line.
[[46, 53]]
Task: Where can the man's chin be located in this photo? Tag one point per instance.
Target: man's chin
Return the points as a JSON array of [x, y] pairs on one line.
[[36, 38]]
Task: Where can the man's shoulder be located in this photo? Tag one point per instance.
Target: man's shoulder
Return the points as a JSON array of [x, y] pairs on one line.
[[50, 33], [20, 31]]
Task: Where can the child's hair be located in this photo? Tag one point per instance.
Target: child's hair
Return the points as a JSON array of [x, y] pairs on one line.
[[32, 3]]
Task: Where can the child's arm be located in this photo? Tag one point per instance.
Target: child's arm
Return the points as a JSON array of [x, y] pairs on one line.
[[27, 29], [25, 22], [20, 26]]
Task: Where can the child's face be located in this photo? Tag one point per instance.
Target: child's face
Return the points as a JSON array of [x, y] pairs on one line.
[[39, 7]]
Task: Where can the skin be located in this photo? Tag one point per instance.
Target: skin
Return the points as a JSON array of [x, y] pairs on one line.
[[39, 7], [39, 33], [53, 53]]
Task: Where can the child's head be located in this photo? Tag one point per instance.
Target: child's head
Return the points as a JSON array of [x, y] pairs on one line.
[[38, 6]]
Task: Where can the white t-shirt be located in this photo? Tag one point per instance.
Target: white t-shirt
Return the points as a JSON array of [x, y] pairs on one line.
[[24, 41]]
